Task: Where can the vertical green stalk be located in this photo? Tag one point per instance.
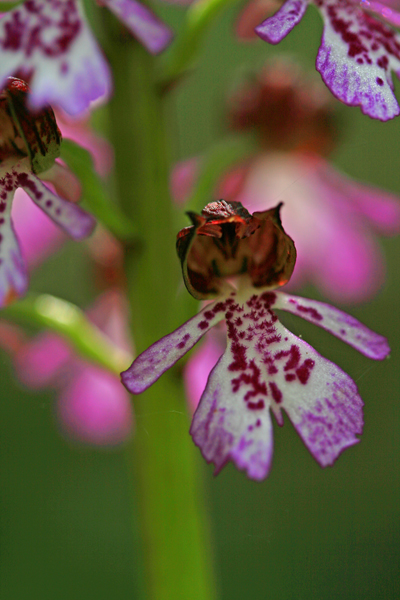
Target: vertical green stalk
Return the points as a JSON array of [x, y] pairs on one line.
[[170, 512]]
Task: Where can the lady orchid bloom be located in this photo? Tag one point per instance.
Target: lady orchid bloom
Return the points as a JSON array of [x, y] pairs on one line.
[[294, 121], [358, 51], [50, 44], [29, 145], [240, 260]]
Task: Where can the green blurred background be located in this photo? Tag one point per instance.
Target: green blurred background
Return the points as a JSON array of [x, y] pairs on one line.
[[304, 532]]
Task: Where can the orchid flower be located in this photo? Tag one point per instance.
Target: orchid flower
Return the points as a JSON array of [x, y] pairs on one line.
[[29, 145], [50, 43], [357, 53], [265, 367]]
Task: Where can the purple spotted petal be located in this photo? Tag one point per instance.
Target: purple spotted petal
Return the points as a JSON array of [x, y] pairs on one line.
[[356, 57], [266, 367], [50, 44], [337, 322], [162, 355], [142, 23], [71, 218], [13, 274], [320, 399], [275, 28]]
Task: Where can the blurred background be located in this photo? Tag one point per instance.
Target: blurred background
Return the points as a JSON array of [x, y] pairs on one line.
[[66, 523]]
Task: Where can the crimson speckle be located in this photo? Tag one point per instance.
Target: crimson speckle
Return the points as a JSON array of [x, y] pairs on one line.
[[379, 81], [314, 314], [276, 392]]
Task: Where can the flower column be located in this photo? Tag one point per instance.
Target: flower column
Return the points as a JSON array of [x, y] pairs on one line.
[[170, 512]]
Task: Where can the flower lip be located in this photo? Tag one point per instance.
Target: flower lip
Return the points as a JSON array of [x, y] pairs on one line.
[[226, 241]]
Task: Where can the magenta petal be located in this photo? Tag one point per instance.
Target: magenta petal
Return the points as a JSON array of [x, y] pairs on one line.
[[200, 365], [49, 42], [162, 355], [337, 322], [356, 57], [95, 408], [71, 218], [142, 23], [275, 28], [39, 362]]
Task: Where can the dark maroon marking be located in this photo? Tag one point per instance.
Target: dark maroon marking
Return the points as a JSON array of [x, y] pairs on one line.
[[379, 81], [290, 376], [258, 423], [256, 405], [2, 221], [383, 62], [343, 332], [3, 195], [304, 371], [203, 325], [2, 207], [294, 357], [238, 322], [276, 392], [239, 357], [314, 314], [184, 341], [49, 203], [208, 314], [24, 181], [229, 315]]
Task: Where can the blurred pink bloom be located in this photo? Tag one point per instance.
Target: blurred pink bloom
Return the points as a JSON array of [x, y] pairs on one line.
[[93, 407], [333, 220]]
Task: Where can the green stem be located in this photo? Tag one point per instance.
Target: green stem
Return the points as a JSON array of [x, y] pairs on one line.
[[170, 511]]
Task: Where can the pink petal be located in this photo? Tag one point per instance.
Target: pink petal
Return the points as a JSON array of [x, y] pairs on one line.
[[337, 322], [162, 355], [49, 43], [381, 208], [37, 234], [199, 365], [94, 408], [70, 217], [275, 28], [39, 362], [356, 57], [183, 179], [142, 23]]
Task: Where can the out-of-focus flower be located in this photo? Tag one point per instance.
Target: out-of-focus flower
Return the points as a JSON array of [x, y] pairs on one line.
[[29, 145], [333, 219], [265, 367], [50, 44], [93, 407], [358, 51]]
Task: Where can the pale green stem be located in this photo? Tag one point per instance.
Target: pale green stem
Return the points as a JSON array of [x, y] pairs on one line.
[[170, 512], [70, 322]]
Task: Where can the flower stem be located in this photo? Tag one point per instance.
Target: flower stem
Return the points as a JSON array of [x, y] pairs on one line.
[[170, 511]]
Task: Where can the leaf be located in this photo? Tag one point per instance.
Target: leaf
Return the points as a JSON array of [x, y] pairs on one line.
[[95, 198]]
